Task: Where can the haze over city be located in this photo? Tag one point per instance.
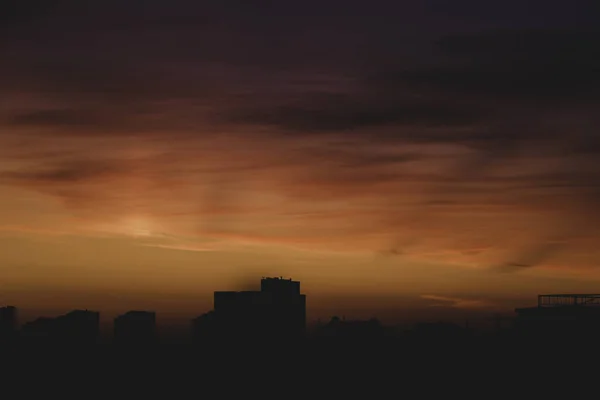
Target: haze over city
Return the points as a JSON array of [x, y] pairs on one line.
[[402, 159]]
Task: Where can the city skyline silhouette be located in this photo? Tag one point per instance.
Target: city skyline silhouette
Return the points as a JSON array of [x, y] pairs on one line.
[[268, 198], [268, 326], [277, 312]]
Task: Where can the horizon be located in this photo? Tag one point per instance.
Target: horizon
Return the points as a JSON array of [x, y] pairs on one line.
[[175, 323]]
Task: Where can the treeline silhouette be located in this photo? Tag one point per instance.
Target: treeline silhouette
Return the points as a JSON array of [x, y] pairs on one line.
[[253, 333]]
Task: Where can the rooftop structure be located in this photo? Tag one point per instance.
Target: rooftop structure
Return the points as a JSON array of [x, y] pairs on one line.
[[561, 300], [280, 286]]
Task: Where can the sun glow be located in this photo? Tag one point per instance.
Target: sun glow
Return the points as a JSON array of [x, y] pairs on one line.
[[137, 227]]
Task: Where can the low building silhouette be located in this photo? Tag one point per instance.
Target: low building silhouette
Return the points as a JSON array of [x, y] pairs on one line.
[[340, 328], [75, 327], [277, 311], [560, 316], [205, 327], [437, 332], [135, 327]]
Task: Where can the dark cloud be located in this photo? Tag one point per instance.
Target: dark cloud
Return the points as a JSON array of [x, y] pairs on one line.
[[364, 160], [130, 55], [527, 65], [59, 118], [532, 256], [21, 11], [325, 112], [61, 173], [105, 119], [514, 12], [578, 206]]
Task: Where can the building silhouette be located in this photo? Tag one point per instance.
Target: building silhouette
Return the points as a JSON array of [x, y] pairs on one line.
[[439, 332], [75, 327], [340, 328], [135, 327], [560, 316], [277, 311], [205, 328], [8, 323]]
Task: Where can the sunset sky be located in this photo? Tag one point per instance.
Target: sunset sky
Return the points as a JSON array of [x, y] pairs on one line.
[[399, 158]]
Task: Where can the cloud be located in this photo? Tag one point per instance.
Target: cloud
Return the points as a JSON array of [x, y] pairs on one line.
[[308, 195], [25, 230], [17, 11], [454, 302], [363, 109], [67, 172], [211, 119], [527, 65], [64, 118], [181, 247]]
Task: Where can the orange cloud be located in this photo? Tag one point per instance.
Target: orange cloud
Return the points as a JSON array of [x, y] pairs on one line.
[[453, 302]]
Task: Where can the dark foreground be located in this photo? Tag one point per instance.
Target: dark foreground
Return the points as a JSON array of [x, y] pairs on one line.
[[479, 367]]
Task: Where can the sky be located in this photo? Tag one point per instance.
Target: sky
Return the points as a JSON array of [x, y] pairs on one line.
[[402, 159]]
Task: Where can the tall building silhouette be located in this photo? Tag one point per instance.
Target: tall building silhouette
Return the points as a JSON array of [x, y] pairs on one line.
[[135, 327], [8, 322], [277, 311]]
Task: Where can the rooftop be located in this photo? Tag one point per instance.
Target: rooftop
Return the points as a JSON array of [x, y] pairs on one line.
[[561, 300]]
